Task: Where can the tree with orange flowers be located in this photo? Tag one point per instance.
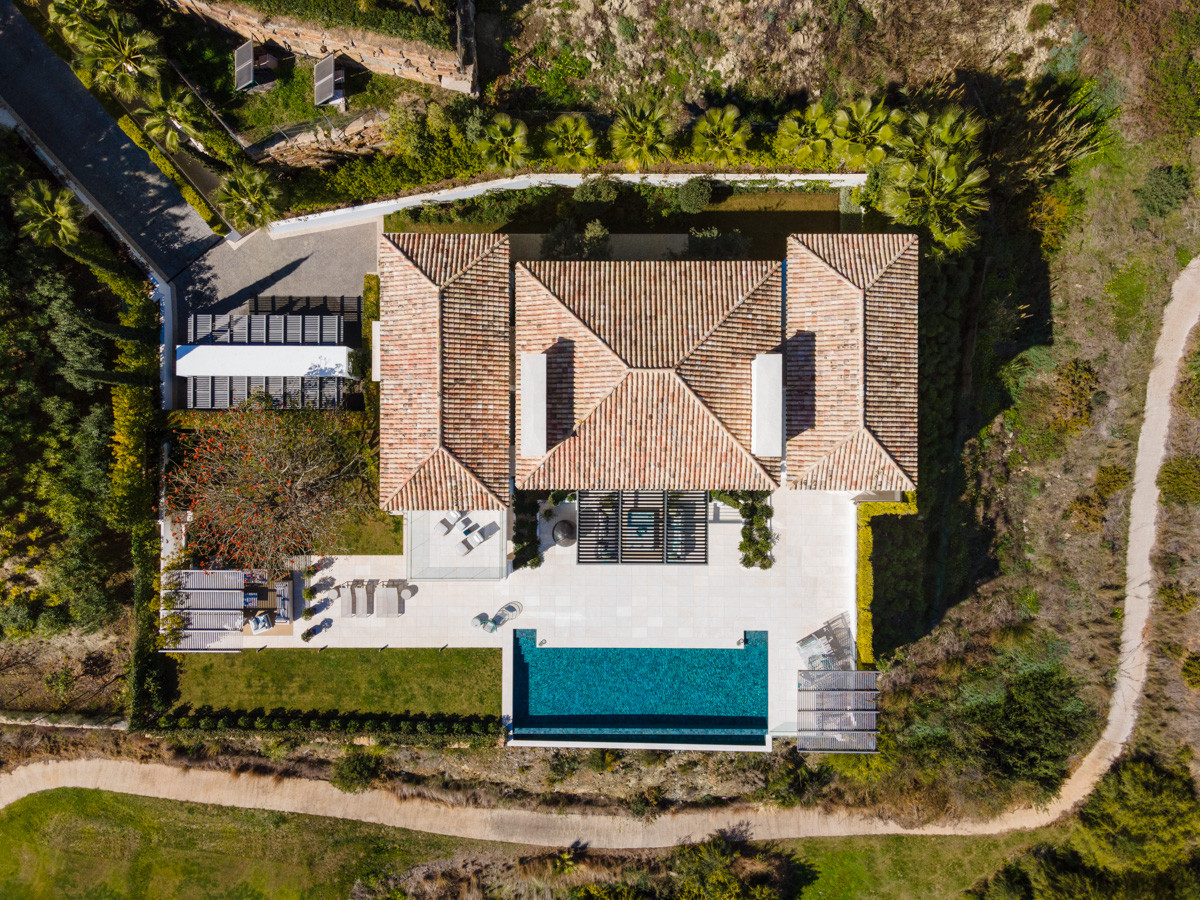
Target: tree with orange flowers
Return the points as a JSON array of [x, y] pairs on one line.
[[263, 484]]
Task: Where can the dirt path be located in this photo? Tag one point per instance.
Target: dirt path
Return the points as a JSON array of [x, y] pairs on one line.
[[554, 829]]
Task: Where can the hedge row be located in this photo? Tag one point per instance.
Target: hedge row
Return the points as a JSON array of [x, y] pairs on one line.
[[400, 726], [866, 574], [433, 29], [168, 168]]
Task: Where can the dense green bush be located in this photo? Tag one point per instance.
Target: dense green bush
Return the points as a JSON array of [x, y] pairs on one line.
[[1137, 837], [694, 195], [1164, 190], [757, 536], [356, 771], [1177, 598], [1179, 480], [526, 548]]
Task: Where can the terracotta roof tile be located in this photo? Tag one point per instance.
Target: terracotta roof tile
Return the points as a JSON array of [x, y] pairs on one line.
[[651, 432], [445, 371], [580, 368], [440, 257], [858, 463], [851, 351], [718, 370], [651, 314]]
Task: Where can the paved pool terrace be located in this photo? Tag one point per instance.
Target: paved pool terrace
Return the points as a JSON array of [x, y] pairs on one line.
[[709, 606]]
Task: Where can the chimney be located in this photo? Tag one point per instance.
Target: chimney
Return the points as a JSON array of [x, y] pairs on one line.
[[533, 405], [766, 407]]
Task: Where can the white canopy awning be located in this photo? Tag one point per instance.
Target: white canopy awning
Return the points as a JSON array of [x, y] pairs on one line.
[[258, 359]]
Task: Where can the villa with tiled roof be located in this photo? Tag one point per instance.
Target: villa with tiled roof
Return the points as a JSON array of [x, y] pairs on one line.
[[644, 375]]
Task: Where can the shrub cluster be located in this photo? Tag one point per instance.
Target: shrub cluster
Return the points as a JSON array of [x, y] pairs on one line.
[[1179, 480], [1164, 191], [1177, 598], [399, 727], [757, 536], [1191, 671], [527, 550], [1189, 384], [1087, 511]]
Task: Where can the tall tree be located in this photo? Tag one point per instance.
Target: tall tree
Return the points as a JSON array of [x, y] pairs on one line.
[[248, 197], [47, 215], [721, 137], [262, 485], [639, 136], [120, 57], [505, 143]]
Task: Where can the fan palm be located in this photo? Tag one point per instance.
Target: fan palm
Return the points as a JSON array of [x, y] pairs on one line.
[[864, 131], [119, 57], [78, 19], [505, 143], [943, 192], [639, 136], [806, 136], [571, 141], [171, 115], [47, 215], [953, 129], [247, 197], [719, 136]]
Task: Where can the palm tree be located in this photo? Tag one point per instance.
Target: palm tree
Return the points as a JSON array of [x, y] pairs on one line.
[[953, 129], [806, 136], [639, 136], [864, 131], [720, 138], [571, 141], [77, 19], [247, 197], [119, 57], [943, 192], [48, 216], [171, 115], [505, 143]]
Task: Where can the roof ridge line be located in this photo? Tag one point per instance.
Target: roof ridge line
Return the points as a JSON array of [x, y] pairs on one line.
[[887, 453], [575, 428], [574, 315], [471, 472], [412, 262], [721, 425], [417, 468], [476, 261], [795, 238], [745, 298], [857, 432], [891, 262]]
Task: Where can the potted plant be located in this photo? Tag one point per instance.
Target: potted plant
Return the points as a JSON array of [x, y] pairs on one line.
[[308, 634]]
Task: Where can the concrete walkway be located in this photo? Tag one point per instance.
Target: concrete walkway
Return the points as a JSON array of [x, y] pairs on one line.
[[554, 829], [75, 135]]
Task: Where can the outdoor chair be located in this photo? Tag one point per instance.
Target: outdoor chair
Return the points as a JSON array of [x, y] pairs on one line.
[[470, 542], [347, 604], [356, 605], [370, 591], [480, 620], [450, 521]]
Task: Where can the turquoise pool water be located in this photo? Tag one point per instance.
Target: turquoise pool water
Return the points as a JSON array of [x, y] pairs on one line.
[[638, 695]]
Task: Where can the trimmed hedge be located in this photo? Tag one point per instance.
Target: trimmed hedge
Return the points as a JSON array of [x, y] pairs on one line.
[[866, 574], [168, 168], [402, 23], [370, 313], [401, 728]]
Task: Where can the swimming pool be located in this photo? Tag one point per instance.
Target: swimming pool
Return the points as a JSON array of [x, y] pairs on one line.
[[640, 695]]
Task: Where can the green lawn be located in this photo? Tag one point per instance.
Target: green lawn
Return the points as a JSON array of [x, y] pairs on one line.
[[900, 868], [93, 844], [374, 534], [418, 680]]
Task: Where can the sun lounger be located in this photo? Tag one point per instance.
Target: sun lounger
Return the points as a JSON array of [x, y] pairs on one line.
[[391, 604], [356, 602], [347, 603], [370, 590]]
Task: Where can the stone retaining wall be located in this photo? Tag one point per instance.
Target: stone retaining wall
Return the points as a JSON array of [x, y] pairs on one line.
[[451, 69], [362, 137]]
